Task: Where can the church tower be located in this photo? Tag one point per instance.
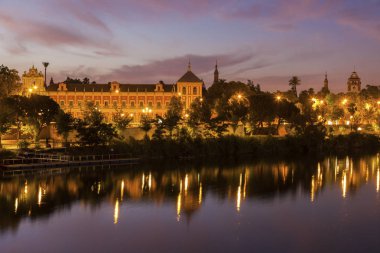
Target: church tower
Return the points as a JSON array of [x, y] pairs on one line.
[[354, 83], [216, 73], [326, 83], [32, 81]]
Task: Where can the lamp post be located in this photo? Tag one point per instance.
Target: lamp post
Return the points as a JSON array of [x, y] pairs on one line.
[[46, 64]]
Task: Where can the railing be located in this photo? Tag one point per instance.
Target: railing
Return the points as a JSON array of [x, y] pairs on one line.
[[33, 158]]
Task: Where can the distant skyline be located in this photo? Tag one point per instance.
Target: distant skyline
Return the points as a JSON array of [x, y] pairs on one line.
[[144, 41]]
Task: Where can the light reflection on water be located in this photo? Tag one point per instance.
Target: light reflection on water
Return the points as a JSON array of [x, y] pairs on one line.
[[271, 207]]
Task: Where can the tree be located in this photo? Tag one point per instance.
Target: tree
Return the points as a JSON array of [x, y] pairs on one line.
[[6, 119], [40, 112], [121, 121], [9, 81], [146, 124], [285, 111], [293, 83], [86, 80], [64, 124], [237, 110], [173, 115], [261, 110], [199, 115], [92, 130]]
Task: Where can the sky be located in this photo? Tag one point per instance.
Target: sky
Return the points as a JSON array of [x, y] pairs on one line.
[[144, 41]]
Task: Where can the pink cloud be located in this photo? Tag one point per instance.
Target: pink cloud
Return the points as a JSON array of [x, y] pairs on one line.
[[47, 34], [170, 70]]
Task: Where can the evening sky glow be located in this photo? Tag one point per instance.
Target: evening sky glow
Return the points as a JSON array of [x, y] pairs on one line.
[[144, 41]]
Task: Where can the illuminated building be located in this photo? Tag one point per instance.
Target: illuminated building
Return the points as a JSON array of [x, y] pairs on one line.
[[354, 83], [132, 99]]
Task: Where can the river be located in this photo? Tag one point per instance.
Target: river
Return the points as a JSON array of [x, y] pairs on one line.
[[331, 205]]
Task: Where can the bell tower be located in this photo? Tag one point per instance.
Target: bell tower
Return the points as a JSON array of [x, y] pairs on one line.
[[354, 83], [216, 73]]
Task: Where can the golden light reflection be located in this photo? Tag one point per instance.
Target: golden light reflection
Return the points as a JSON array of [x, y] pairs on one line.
[[26, 188], [312, 189], [122, 190], [150, 181], [378, 180], [39, 195], [238, 199], [143, 181], [344, 184], [186, 183], [200, 194], [178, 207], [16, 205], [116, 212]]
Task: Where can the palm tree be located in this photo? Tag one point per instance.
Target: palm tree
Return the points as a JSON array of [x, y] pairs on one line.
[[46, 64], [293, 82]]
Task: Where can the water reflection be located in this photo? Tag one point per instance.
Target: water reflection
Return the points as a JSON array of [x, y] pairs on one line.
[[184, 189]]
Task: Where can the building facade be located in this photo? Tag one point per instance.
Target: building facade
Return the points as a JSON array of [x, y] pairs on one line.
[[130, 99]]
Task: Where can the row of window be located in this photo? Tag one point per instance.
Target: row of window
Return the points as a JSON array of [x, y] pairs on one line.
[[184, 91], [115, 104]]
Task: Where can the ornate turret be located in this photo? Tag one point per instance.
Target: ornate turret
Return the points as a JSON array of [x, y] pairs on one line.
[[216, 73], [326, 82], [354, 83], [32, 81]]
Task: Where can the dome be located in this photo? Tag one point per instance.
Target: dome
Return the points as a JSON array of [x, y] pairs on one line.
[[354, 75]]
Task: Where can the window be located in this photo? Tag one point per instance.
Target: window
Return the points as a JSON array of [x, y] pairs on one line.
[[158, 104], [166, 104], [114, 103], [123, 103], [106, 103], [150, 104], [71, 103], [195, 91], [62, 103], [97, 103], [184, 91], [141, 104], [133, 104], [80, 103]]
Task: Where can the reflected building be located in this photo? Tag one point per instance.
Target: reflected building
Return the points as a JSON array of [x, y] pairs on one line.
[[185, 190]]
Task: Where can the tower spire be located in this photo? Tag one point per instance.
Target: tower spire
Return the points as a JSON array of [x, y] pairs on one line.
[[216, 72], [189, 65]]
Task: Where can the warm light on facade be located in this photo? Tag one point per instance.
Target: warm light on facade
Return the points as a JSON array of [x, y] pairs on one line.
[[116, 212]]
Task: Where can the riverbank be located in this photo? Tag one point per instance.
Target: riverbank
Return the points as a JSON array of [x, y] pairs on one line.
[[235, 147]]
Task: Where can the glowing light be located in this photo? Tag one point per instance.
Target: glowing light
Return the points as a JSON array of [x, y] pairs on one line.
[[344, 185], [238, 199], [99, 188], [117, 91], [30, 90], [239, 96], [131, 114], [312, 189], [278, 98], [314, 99], [378, 180], [344, 101], [329, 122], [16, 205], [143, 181], [122, 190], [26, 188], [179, 94], [367, 106], [116, 212], [186, 115], [122, 115], [150, 181], [348, 122], [39, 195], [202, 100], [178, 207], [200, 194], [35, 87], [359, 128], [186, 182]]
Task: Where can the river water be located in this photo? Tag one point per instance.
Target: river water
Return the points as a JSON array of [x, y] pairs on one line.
[[331, 205]]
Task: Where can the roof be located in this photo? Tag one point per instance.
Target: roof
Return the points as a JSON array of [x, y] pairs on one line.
[[189, 77], [107, 87], [354, 75]]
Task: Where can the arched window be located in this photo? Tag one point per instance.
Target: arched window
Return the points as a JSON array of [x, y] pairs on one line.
[[195, 91], [184, 91]]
